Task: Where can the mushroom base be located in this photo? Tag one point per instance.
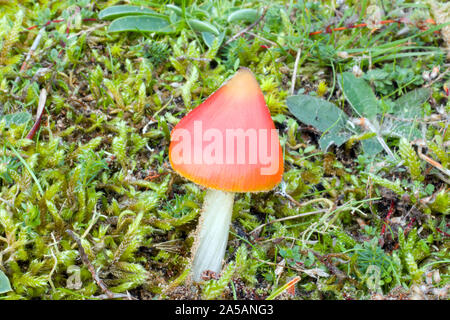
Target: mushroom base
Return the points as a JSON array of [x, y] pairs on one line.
[[214, 224]]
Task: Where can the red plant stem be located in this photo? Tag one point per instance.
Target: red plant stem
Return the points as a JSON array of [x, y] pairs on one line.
[[154, 176], [363, 25], [291, 285], [386, 220], [443, 232], [411, 223], [40, 111], [24, 64], [409, 226], [45, 24]]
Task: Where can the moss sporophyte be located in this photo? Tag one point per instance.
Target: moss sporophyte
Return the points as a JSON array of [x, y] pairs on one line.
[[232, 116]]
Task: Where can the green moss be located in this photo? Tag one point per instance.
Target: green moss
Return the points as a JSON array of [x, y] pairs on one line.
[[98, 165]]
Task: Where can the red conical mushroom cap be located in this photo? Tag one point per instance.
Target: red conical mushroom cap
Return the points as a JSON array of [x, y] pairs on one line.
[[229, 142]]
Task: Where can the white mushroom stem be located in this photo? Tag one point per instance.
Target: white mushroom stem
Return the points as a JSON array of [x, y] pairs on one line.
[[211, 241]]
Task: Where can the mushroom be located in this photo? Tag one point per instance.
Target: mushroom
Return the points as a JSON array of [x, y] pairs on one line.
[[227, 144]]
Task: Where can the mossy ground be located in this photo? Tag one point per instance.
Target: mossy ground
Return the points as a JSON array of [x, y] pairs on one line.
[[98, 164]]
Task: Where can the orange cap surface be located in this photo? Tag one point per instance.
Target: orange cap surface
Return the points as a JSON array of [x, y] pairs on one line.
[[229, 142]]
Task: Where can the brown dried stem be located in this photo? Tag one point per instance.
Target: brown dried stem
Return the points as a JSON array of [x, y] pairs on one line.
[[89, 265], [240, 33], [42, 100]]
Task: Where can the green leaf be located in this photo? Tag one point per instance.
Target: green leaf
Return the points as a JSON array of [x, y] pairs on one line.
[[5, 286], [410, 104], [114, 12], [333, 136], [359, 94], [202, 26], [376, 74], [407, 111], [247, 15], [175, 9], [371, 147], [147, 23], [401, 129], [316, 112], [322, 115], [209, 39], [17, 118]]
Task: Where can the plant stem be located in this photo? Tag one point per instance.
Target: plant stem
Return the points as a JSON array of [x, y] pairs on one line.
[[212, 233]]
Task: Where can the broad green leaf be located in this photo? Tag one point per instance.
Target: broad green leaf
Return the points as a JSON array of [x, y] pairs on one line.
[[410, 104], [202, 26], [17, 118], [406, 113], [114, 12], [201, 13], [333, 136], [247, 15], [316, 112], [175, 9], [147, 23], [371, 147], [209, 39], [359, 94], [322, 115], [376, 74], [396, 127], [5, 286]]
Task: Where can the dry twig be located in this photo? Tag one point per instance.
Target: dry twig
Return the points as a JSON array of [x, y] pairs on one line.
[[89, 265], [240, 33], [432, 162], [127, 296], [33, 48], [294, 74], [289, 218], [331, 207], [330, 266]]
